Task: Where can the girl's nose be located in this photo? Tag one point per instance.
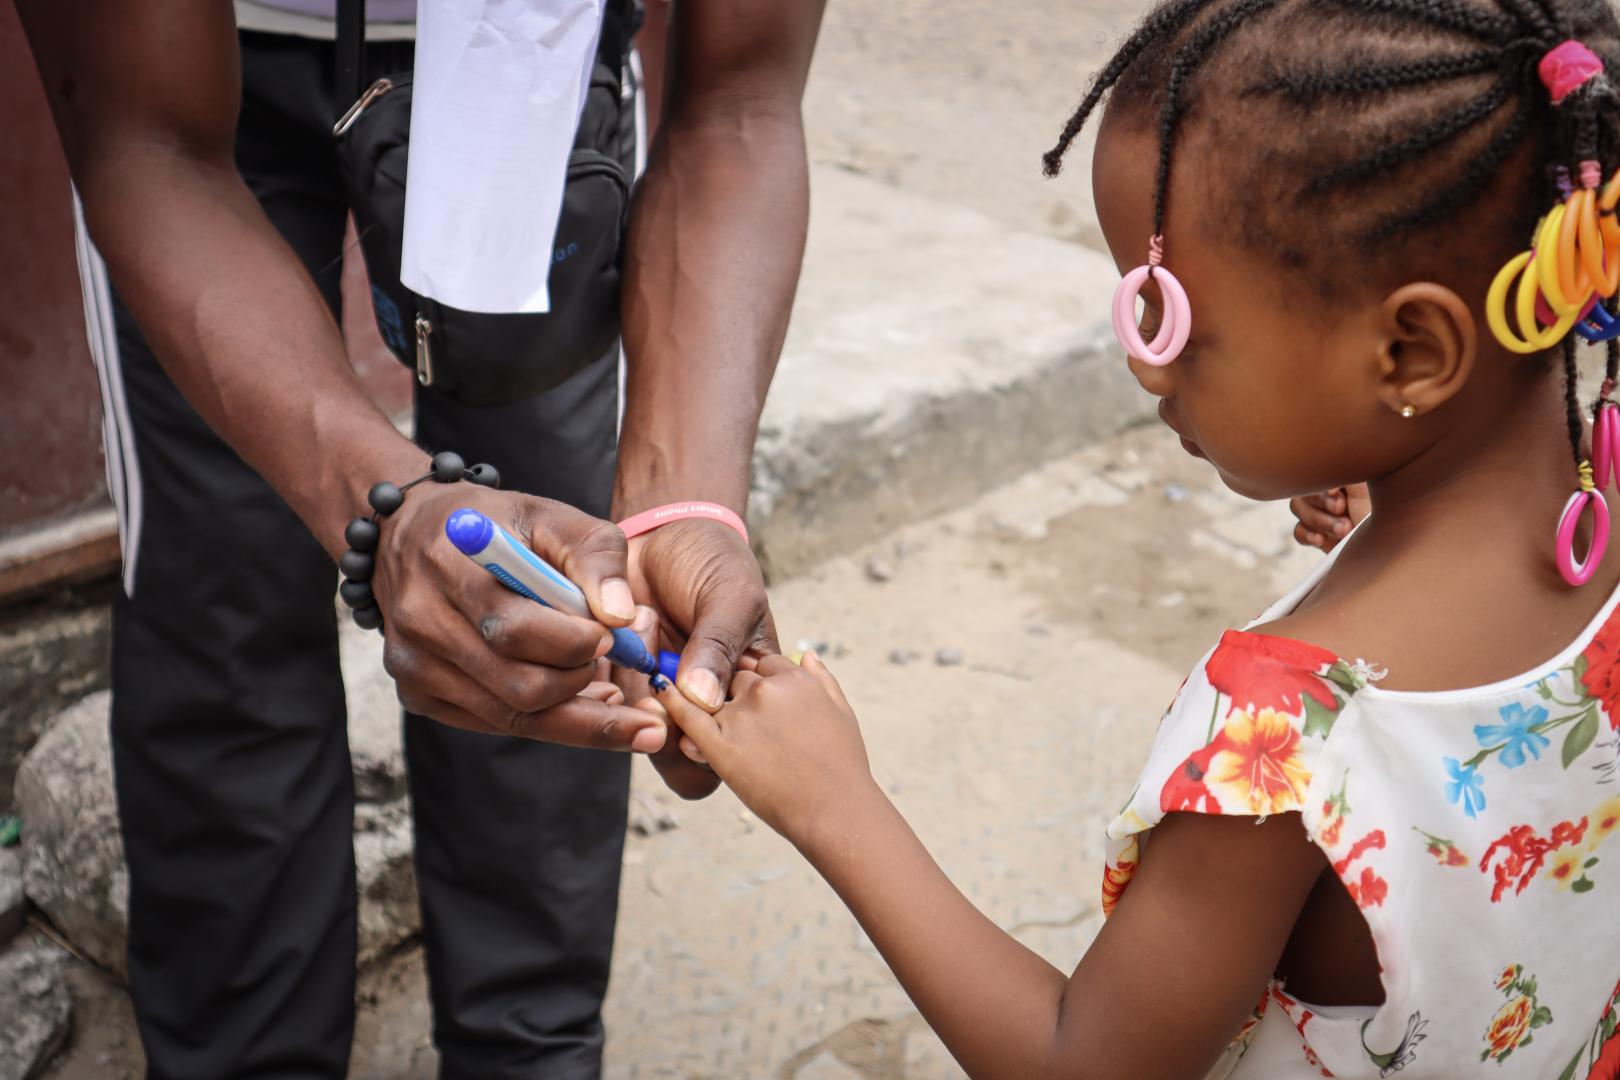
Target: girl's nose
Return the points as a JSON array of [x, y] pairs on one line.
[[1158, 381]]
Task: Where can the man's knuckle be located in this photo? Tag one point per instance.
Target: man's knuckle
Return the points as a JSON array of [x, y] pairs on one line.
[[496, 631], [409, 615], [528, 693], [399, 659], [605, 538]]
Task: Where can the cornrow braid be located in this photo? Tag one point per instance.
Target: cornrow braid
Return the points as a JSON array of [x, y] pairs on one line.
[[1441, 131], [1377, 78], [1572, 402], [1459, 18], [1166, 20], [1203, 41]]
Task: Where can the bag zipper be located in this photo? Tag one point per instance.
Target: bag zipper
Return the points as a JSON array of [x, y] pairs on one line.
[[373, 92], [424, 351]]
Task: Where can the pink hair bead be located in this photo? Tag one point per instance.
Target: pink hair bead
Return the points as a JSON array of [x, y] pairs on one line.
[[1605, 443], [1568, 67], [1177, 324], [1579, 571]]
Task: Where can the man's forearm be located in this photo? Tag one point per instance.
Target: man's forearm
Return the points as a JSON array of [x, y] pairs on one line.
[[241, 329], [716, 239]]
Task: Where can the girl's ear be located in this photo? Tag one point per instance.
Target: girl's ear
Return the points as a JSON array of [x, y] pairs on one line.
[[1427, 347]]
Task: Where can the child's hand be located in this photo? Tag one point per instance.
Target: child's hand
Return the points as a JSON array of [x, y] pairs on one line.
[[1327, 517], [787, 743]]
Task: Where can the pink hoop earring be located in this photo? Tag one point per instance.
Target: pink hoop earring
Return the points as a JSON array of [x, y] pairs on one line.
[[1579, 572], [1177, 324], [1605, 443]]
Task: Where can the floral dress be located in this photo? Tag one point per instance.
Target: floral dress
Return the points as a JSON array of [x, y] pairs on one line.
[[1472, 827]]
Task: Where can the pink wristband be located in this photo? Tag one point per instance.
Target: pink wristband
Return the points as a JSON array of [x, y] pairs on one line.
[[648, 520]]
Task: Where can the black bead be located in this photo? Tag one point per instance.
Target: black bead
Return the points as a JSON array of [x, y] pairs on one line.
[[357, 594], [362, 535], [448, 467], [368, 618], [385, 498], [485, 475], [356, 565]]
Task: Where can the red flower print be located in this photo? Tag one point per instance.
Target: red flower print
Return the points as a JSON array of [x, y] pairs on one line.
[[1186, 790], [1371, 841], [1331, 831], [1444, 851], [1607, 1066], [1257, 766], [1370, 890], [1258, 671], [1524, 852], [1115, 878], [1602, 675]]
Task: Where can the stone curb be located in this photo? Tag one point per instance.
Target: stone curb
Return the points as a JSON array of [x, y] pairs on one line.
[[933, 355]]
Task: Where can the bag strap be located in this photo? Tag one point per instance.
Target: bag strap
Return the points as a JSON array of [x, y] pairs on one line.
[[350, 54]]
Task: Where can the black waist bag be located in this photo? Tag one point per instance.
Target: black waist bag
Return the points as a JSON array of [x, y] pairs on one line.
[[475, 357]]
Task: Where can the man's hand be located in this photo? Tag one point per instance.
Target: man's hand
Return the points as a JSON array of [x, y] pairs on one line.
[[704, 582], [705, 585], [466, 651]]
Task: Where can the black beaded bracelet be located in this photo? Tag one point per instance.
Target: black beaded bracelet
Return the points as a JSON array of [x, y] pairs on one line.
[[362, 533]]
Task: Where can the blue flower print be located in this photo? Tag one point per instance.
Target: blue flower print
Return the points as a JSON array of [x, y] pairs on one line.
[[1514, 735], [1464, 786]]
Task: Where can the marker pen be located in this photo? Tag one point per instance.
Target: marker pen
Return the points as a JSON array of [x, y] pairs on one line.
[[527, 574]]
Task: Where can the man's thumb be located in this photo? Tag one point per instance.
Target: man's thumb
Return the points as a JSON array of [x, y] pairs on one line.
[[590, 552]]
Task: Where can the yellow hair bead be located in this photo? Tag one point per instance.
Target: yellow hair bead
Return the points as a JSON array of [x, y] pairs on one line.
[[1585, 469], [1546, 261], [1496, 305], [1525, 308]]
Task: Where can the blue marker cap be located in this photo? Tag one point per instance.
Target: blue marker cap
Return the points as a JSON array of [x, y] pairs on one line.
[[668, 664], [470, 531]]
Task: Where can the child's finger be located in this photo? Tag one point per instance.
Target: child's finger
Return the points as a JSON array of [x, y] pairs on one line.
[[813, 664], [742, 683], [775, 664], [690, 749], [697, 724], [1318, 520]]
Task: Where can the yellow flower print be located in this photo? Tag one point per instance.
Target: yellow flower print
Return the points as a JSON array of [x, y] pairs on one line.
[[1564, 867], [1258, 765], [1508, 1028], [1604, 821]]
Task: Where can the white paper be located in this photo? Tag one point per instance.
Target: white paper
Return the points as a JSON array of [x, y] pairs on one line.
[[499, 87]]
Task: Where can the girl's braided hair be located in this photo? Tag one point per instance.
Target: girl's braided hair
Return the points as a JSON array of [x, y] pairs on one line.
[[1360, 132]]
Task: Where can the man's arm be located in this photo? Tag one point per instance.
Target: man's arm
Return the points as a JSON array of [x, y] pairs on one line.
[[716, 238], [145, 97]]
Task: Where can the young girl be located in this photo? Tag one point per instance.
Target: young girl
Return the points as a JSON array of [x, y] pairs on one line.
[[1374, 832]]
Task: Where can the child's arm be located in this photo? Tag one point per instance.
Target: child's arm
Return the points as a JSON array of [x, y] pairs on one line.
[[1175, 971]]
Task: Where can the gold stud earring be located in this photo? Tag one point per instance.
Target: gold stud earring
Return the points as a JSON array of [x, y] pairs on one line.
[[1408, 411]]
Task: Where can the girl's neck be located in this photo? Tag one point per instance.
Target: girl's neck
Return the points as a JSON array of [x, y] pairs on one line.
[[1452, 582], [1510, 470]]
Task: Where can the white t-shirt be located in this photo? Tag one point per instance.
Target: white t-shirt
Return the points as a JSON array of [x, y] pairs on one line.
[[1470, 826]]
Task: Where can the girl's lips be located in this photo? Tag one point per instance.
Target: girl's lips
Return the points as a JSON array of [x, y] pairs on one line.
[[1168, 419]]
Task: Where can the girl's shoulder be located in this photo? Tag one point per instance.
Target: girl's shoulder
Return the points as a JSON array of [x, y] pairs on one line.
[[1246, 730]]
